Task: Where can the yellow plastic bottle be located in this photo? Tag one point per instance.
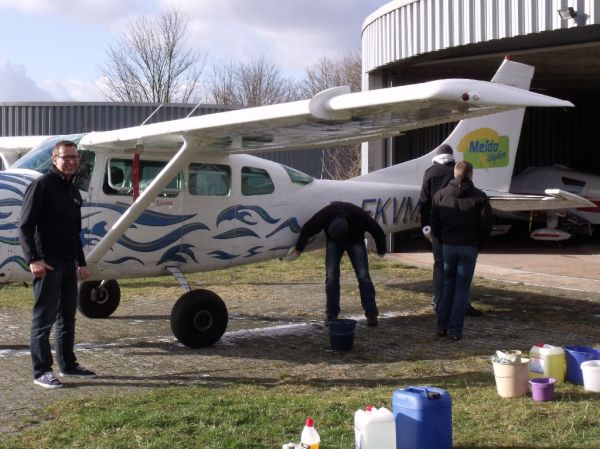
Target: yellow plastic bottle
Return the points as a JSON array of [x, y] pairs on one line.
[[547, 361]]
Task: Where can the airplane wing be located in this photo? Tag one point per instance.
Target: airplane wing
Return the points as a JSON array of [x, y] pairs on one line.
[[556, 199], [331, 117], [14, 146]]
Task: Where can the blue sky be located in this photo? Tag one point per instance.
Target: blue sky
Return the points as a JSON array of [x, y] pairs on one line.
[[50, 50]]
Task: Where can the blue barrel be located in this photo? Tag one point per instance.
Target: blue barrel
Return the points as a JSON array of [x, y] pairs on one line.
[[575, 356], [341, 334], [423, 418]]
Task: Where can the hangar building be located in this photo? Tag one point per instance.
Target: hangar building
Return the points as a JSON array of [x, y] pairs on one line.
[[411, 41]]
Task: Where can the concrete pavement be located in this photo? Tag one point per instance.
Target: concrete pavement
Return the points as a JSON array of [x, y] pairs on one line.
[[570, 266]]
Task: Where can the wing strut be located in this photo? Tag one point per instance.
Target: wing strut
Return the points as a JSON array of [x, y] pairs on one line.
[[140, 204]]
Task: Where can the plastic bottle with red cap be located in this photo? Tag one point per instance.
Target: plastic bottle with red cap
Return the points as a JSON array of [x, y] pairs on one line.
[[310, 438]]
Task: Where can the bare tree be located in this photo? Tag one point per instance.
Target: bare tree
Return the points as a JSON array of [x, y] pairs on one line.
[[152, 63], [338, 162], [258, 82]]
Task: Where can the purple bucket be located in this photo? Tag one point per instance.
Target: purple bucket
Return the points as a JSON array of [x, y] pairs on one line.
[[575, 356], [542, 388]]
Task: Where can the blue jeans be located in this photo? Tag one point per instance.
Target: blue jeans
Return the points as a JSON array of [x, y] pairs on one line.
[[55, 299], [438, 270], [357, 252], [459, 266]]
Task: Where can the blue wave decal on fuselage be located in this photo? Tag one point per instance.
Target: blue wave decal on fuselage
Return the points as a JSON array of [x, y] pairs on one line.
[[16, 179], [125, 259], [162, 242], [238, 212], [290, 223], [9, 240], [235, 233], [8, 226], [279, 248], [11, 189], [148, 217], [173, 254], [7, 202], [222, 255], [253, 251], [16, 259]]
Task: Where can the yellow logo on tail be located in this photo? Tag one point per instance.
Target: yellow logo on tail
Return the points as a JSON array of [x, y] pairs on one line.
[[485, 148]]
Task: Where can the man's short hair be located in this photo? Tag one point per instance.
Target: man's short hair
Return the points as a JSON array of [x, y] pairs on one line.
[[63, 143], [464, 169], [338, 229]]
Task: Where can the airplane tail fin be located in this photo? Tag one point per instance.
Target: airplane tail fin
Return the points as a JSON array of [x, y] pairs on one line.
[[489, 142]]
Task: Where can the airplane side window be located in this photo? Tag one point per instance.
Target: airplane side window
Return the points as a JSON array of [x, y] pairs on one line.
[[256, 181], [209, 179], [297, 177], [573, 185], [118, 179]]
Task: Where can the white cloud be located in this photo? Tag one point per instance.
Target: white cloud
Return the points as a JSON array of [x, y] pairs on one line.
[[15, 85], [93, 11], [74, 90]]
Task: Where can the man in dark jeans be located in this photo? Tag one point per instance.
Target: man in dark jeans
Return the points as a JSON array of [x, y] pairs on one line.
[[461, 219], [345, 225], [49, 233], [435, 178]]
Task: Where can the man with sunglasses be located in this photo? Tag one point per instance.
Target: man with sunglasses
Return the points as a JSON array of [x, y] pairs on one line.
[[49, 233]]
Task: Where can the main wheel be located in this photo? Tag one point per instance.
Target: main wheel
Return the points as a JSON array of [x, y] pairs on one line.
[[96, 301], [199, 318]]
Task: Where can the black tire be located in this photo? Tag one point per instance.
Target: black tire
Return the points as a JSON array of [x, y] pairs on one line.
[[199, 318], [94, 301]]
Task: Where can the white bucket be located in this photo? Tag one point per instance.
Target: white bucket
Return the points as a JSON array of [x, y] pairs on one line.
[[591, 375]]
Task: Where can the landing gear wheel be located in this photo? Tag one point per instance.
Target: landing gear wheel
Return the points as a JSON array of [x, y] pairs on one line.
[[95, 301], [199, 318]]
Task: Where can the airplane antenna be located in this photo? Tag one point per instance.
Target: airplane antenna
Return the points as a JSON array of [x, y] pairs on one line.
[[153, 112]]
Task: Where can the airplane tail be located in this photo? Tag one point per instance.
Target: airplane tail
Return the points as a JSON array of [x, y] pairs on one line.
[[489, 142]]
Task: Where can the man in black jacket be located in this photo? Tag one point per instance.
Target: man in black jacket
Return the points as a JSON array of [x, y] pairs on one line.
[[435, 178], [345, 225], [461, 219], [49, 233]]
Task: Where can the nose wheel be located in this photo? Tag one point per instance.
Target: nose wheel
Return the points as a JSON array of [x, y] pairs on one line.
[[97, 299], [199, 318]]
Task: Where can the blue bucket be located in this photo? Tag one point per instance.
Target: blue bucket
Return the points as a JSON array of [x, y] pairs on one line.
[[575, 356], [341, 334]]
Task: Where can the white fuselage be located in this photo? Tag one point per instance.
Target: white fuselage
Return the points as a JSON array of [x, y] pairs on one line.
[[201, 232]]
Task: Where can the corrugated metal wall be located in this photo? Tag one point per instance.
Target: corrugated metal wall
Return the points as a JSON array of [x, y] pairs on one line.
[[403, 29], [31, 119]]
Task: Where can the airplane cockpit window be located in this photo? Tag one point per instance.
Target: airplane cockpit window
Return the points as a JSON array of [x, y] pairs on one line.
[[209, 179], [573, 185], [118, 179], [297, 177], [40, 157], [256, 181]]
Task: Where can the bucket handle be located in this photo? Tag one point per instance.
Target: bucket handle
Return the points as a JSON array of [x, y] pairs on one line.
[[427, 392]]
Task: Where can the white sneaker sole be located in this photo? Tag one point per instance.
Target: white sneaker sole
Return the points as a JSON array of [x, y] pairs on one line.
[[49, 386]]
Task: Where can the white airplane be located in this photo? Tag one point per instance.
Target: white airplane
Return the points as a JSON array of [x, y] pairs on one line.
[[12, 148], [204, 207], [560, 224]]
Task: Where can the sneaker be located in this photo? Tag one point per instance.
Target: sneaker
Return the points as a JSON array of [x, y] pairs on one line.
[[372, 320], [47, 380], [78, 371], [472, 311]]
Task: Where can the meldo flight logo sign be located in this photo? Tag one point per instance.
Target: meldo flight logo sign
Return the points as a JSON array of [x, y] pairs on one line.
[[485, 148]]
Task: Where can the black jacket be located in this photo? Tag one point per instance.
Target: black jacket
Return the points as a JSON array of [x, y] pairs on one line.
[[50, 222], [435, 178], [461, 214], [359, 222]]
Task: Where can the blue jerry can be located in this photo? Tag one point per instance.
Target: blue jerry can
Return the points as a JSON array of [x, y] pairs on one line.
[[423, 418]]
